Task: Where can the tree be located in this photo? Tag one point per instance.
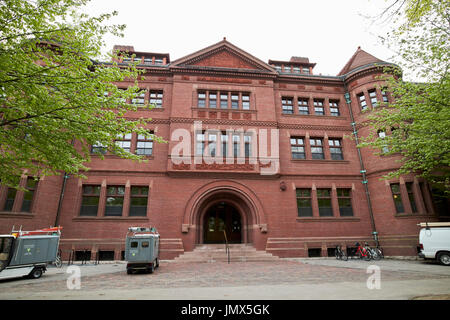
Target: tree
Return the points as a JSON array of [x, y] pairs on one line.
[[417, 121], [52, 89]]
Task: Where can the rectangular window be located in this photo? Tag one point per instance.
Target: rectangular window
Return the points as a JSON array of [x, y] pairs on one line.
[[305, 70], [316, 148], [298, 148], [287, 69], [278, 68], [29, 194], [245, 102], [409, 188], [286, 104], [396, 195], [384, 95], [224, 139], [138, 201], [303, 107], [200, 143], [335, 149], [139, 100], [90, 200], [148, 61], [213, 100], [224, 100], [362, 101], [296, 69], [318, 107], [234, 101], [373, 97], [158, 61], [144, 146], [114, 200], [324, 200], [212, 139], [201, 100], [236, 145], [334, 108], [248, 145], [382, 135], [124, 141], [304, 206], [345, 202], [98, 148], [10, 196], [156, 98]]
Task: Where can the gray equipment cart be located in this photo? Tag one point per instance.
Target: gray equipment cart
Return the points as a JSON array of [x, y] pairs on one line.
[[26, 253], [142, 249]]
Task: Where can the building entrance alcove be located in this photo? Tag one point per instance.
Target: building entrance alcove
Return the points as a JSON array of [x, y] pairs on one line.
[[220, 219]]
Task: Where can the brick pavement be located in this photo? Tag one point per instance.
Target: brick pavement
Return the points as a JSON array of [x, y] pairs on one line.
[[219, 274]]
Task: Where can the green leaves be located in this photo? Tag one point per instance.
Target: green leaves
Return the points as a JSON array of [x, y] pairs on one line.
[[52, 102]]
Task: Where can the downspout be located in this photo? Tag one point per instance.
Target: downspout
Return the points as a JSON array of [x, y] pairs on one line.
[[61, 196], [361, 163]]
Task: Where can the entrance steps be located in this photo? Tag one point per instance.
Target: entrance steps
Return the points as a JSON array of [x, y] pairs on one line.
[[241, 252]]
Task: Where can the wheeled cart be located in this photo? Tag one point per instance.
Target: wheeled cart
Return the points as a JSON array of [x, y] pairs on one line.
[[142, 249], [26, 253]]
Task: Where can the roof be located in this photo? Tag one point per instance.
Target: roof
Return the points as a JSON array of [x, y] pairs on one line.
[[359, 59]]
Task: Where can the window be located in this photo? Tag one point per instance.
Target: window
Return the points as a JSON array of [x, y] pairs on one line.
[[373, 97], [334, 108], [98, 148], [278, 68], [409, 189], [10, 196], [148, 61], [305, 70], [114, 200], [212, 139], [156, 98], [248, 145], [382, 135], [245, 101], [362, 101], [296, 69], [318, 107], [303, 106], [298, 148], [287, 107], [287, 69], [139, 100], [236, 145], [384, 95], [29, 194], [124, 141], [324, 200], [234, 101], [144, 146], [224, 139], [345, 202], [335, 149], [396, 195], [90, 200], [200, 143], [304, 206], [316, 148], [201, 100], [158, 61], [224, 100], [212, 100], [138, 201]]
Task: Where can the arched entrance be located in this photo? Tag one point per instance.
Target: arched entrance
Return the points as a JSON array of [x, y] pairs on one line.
[[222, 219]]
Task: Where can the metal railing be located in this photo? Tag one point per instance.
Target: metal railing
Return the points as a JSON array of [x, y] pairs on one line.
[[227, 247]]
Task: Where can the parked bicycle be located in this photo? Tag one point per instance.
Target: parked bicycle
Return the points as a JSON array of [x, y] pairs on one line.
[[58, 260], [340, 255], [361, 252], [377, 253]]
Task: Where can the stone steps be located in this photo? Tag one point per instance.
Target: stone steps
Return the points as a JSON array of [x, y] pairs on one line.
[[217, 253]]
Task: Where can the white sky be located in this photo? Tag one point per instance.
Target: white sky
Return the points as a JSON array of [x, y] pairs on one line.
[[328, 32]]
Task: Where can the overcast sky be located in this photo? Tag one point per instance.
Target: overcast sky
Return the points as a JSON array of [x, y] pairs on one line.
[[328, 32]]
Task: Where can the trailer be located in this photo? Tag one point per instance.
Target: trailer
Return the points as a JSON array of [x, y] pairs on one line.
[[27, 253], [142, 249]]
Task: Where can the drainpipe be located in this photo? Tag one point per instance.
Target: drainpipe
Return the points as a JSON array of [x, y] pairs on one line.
[[363, 170], [61, 197]]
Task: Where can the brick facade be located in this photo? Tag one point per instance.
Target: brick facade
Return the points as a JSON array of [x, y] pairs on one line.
[[183, 196]]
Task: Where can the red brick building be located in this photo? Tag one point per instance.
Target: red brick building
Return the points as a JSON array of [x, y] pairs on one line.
[[295, 186]]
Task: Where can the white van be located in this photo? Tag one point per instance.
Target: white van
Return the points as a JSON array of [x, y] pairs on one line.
[[434, 241]]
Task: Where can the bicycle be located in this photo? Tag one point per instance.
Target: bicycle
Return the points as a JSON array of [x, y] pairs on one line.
[[58, 260], [340, 255], [362, 252]]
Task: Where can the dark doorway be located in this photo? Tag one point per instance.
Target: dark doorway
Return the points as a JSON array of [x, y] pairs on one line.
[[219, 218]]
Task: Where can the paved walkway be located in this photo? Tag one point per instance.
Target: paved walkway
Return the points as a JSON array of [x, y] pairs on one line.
[[286, 279]]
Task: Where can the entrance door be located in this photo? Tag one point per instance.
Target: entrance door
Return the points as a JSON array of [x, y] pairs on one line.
[[219, 218]]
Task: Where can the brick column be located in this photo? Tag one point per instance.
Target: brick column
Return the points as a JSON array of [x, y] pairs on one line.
[[102, 200], [314, 204]]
